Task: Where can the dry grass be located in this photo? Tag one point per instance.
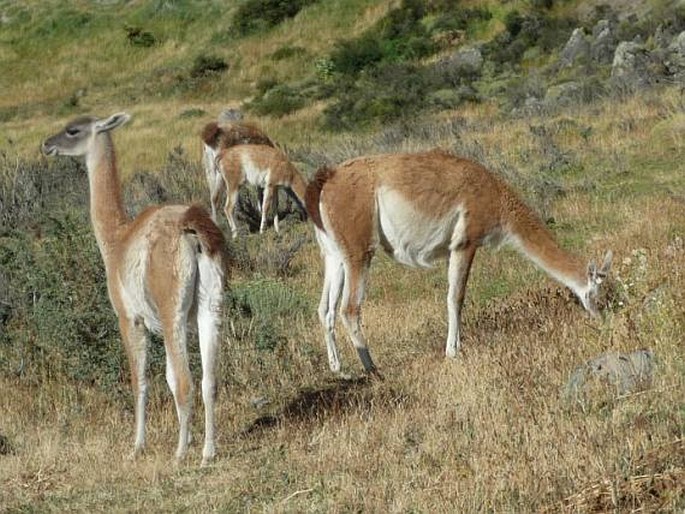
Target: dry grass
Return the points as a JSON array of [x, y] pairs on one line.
[[488, 431]]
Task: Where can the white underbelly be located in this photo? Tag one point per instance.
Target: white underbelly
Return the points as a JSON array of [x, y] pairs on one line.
[[412, 237]]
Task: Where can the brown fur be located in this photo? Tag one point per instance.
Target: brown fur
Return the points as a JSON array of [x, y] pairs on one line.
[[232, 134], [270, 162], [197, 220], [153, 278], [435, 182], [313, 194], [421, 207]]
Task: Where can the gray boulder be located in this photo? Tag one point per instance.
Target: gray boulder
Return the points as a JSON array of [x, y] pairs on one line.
[[674, 61], [624, 373], [603, 42], [229, 115], [633, 66], [576, 48], [466, 61]]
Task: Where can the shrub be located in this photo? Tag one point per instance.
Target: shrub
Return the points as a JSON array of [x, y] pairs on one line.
[[139, 37], [525, 31], [56, 317], [286, 52], [262, 310], [277, 101], [205, 65], [258, 15]]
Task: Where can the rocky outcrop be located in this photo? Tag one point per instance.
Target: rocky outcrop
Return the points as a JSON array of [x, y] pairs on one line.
[[603, 43], [466, 61], [577, 48], [674, 60], [633, 66]]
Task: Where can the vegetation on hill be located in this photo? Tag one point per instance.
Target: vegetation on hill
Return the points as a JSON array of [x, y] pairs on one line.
[[494, 81]]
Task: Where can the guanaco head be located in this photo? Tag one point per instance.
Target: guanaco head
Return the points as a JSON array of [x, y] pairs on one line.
[[77, 137], [595, 277]]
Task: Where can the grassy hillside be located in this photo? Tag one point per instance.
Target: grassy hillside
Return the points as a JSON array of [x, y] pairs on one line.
[[489, 431]]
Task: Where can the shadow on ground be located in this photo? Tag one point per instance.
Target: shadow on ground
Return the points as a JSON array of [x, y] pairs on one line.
[[330, 400]]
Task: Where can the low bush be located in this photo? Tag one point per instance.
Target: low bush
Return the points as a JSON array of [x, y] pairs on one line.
[[139, 37], [277, 100], [206, 65], [258, 15], [525, 31]]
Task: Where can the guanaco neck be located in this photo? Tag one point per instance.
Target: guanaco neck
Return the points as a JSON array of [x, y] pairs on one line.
[[106, 204], [299, 186], [535, 240]]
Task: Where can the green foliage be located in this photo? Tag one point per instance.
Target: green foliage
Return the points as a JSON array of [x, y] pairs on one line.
[[399, 36], [262, 311], [288, 52], [525, 31], [374, 78], [207, 65], [259, 15], [277, 100], [139, 37], [57, 321]]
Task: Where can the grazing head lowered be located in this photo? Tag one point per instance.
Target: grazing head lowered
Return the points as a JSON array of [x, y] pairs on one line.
[[164, 268], [422, 207], [261, 166], [217, 137]]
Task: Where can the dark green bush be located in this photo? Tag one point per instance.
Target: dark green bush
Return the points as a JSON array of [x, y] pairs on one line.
[[205, 65], [258, 15], [57, 320], [277, 101], [525, 31], [139, 37], [286, 52], [383, 94], [374, 78]]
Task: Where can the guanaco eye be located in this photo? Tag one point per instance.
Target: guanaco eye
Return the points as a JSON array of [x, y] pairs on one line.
[[71, 132]]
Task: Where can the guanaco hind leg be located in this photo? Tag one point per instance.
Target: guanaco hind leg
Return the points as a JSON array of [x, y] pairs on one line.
[[332, 286], [353, 295], [135, 341]]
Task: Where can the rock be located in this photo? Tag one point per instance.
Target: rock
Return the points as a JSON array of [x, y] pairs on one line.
[[563, 95], [625, 373], [576, 48], [674, 60], [466, 61], [603, 43], [633, 67], [229, 115]]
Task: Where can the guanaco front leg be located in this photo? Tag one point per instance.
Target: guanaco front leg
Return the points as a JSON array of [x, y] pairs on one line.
[[457, 275]]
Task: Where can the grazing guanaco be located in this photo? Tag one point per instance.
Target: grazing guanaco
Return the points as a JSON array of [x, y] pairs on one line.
[[261, 166], [421, 207], [216, 137], [163, 268]]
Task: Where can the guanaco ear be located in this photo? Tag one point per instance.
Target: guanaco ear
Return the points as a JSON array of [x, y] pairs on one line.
[[592, 269], [606, 265], [112, 122]]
